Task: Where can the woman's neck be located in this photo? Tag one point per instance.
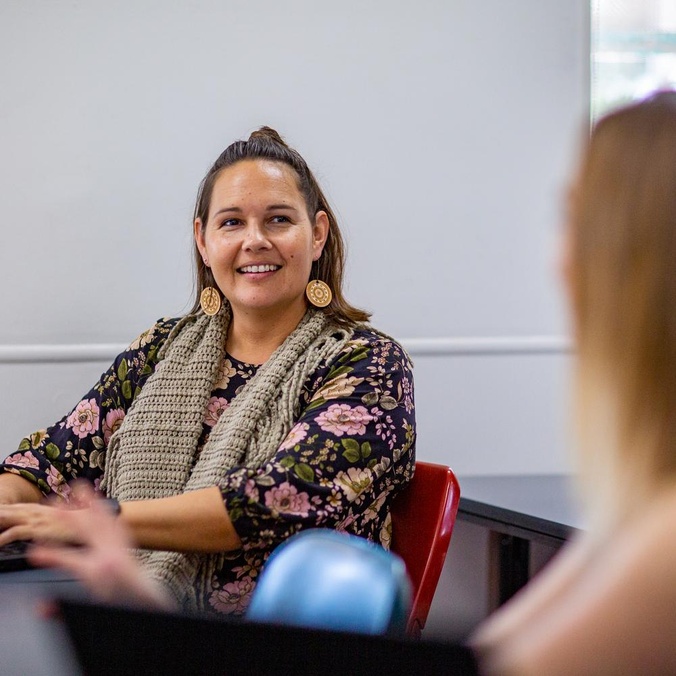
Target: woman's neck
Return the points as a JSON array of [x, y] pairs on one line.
[[252, 338]]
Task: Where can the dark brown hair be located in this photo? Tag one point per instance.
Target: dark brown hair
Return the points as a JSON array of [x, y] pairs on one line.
[[267, 144]]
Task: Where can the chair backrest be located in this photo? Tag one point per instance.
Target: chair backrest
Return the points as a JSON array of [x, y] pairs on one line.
[[423, 516], [323, 579]]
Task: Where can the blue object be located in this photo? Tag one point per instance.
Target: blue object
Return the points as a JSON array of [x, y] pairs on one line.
[[328, 580]]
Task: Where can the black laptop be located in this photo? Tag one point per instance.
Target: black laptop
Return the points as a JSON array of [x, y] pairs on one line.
[[116, 640]]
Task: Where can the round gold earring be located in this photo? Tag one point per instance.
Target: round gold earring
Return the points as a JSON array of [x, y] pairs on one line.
[[210, 301], [318, 293]]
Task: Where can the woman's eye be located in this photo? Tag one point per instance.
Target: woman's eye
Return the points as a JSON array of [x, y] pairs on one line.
[[280, 219], [230, 222]]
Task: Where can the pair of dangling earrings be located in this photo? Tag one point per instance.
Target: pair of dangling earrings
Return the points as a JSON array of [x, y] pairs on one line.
[[317, 292]]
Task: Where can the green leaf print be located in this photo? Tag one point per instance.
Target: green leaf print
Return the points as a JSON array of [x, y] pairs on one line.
[[359, 354], [304, 472], [315, 403], [24, 445], [122, 369], [287, 461], [388, 403], [365, 450], [370, 398], [52, 451], [335, 373], [126, 389], [352, 451]]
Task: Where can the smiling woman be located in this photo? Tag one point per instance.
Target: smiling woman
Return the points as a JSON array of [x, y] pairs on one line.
[[271, 407]]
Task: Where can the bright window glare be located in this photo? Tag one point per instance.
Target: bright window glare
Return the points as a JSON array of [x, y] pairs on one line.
[[633, 50]]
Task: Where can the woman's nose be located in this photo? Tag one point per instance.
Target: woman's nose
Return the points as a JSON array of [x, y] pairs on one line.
[[255, 238]]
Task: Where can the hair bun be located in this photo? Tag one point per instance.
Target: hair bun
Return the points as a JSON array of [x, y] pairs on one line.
[[267, 134]]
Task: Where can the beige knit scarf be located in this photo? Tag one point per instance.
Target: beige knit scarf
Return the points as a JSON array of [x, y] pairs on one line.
[[154, 452]]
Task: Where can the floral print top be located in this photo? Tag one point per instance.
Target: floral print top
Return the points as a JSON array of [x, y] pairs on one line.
[[351, 450]]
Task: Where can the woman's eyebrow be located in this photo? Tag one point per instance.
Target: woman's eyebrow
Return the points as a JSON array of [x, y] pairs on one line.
[[276, 207], [226, 210]]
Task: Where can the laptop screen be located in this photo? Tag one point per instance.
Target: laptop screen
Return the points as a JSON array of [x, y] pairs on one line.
[[115, 640]]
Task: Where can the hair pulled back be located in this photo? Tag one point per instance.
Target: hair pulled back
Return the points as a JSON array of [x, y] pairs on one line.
[[266, 144]]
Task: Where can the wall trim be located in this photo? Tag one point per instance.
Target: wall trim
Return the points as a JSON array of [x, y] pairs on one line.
[[479, 345], [417, 347]]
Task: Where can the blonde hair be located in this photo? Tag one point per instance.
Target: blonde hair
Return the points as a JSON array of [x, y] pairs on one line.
[[623, 286]]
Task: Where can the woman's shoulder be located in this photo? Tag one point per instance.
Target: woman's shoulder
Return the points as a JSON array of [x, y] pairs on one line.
[[371, 339], [155, 335]]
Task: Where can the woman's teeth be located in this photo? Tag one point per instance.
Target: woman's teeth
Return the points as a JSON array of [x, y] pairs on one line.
[[259, 268]]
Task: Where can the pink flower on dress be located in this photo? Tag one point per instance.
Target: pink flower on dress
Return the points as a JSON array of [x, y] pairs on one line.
[[233, 598], [251, 490], [84, 420], [295, 436], [20, 460], [342, 419], [215, 409], [56, 482], [285, 499], [112, 422]]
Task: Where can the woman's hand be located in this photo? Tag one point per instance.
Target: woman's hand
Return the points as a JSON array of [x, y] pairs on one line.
[[30, 521], [104, 564]]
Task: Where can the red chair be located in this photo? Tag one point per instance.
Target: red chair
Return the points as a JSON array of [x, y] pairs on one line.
[[423, 516]]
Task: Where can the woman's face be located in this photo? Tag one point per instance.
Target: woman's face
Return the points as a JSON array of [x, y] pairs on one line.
[[259, 240]]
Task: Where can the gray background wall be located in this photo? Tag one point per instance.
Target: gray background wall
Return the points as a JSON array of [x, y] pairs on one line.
[[442, 130]]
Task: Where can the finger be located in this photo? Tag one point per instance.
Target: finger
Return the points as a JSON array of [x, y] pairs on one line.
[[46, 554], [14, 534], [50, 556], [104, 529]]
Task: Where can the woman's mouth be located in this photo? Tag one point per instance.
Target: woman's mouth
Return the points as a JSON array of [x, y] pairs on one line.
[[258, 268]]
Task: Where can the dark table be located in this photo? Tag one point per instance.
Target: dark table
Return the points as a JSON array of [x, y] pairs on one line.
[[519, 510]]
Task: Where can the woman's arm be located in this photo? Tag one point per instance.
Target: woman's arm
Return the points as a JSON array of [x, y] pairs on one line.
[[196, 521], [14, 488], [74, 447], [350, 451]]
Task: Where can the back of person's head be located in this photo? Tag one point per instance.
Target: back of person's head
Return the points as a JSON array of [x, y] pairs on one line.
[[267, 144], [623, 287]]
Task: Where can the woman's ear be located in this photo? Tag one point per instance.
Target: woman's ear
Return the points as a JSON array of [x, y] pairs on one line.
[[320, 232], [199, 238]]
